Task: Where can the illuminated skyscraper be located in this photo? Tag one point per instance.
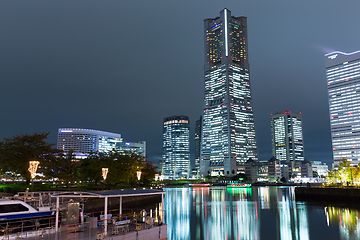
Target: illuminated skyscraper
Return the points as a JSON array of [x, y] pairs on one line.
[[176, 147], [343, 80], [198, 125], [287, 136], [228, 132]]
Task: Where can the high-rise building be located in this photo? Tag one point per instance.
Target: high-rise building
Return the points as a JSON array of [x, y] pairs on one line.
[[343, 81], [228, 131], [176, 147], [83, 141], [197, 141], [287, 137]]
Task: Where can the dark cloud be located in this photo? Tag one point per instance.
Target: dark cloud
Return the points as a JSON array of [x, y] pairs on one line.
[[122, 66]]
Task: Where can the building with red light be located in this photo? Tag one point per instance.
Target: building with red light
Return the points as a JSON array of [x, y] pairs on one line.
[[343, 81]]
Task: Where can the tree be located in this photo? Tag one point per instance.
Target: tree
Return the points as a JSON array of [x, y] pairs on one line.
[[63, 166], [148, 173], [16, 152], [122, 167]]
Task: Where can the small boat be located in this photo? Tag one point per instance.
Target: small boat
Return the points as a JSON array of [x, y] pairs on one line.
[[16, 209], [238, 185], [199, 185]]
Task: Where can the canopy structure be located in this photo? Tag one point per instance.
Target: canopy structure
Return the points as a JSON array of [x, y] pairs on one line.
[[105, 195]]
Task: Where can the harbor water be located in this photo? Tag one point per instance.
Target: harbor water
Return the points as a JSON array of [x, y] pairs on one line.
[[216, 213]]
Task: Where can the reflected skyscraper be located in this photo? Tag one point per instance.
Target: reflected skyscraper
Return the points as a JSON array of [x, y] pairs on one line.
[[343, 81], [228, 130]]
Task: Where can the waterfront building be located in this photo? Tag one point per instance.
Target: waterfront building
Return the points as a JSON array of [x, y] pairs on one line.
[[287, 137], [198, 125], [176, 147], [251, 170], [306, 169], [343, 82], [274, 170], [83, 141], [319, 167], [228, 137]]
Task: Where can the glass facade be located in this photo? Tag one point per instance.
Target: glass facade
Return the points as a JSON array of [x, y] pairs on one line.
[[176, 147], [287, 136], [228, 130], [343, 81], [86, 140]]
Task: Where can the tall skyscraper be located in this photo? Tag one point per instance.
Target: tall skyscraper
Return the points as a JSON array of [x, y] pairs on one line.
[[228, 132], [287, 136], [197, 141], [176, 147], [343, 80]]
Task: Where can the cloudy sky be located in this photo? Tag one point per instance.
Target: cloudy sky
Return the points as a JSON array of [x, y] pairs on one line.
[[122, 66]]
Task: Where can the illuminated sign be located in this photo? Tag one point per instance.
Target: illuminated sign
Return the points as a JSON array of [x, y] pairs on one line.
[[226, 32], [332, 56]]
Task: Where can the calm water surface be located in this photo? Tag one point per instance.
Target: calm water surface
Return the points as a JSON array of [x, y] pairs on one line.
[[218, 213]]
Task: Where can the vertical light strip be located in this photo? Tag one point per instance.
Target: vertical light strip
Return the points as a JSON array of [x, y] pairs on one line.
[[226, 33]]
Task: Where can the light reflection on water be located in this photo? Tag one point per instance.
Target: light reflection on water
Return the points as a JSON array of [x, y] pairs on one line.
[[253, 213]]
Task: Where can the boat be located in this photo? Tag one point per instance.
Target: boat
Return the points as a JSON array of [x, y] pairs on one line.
[[17, 209], [199, 185], [18, 216], [238, 185]]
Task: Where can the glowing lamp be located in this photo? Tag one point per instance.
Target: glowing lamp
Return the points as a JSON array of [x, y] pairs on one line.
[[104, 172], [138, 174], [33, 166]]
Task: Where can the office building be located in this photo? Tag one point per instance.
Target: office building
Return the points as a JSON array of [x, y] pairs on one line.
[[83, 141], [251, 170], [306, 169], [176, 147], [343, 82], [198, 125], [137, 147], [228, 130], [274, 170], [320, 168], [287, 137]]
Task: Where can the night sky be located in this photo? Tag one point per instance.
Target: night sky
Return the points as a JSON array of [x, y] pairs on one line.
[[122, 66]]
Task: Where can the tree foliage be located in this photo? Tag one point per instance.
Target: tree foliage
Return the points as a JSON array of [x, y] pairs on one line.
[[122, 167], [16, 152]]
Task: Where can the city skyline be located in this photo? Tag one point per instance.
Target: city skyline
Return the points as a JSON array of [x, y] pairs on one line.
[[89, 66]]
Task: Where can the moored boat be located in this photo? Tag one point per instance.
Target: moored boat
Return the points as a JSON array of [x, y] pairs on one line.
[[238, 185]]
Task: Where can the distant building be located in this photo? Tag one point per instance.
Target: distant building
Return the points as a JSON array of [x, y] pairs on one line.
[[306, 169], [228, 137], [343, 82], [319, 167], [198, 125], [176, 147], [285, 171], [84, 141], [287, 137], [137, 147], [251, 170], [274, 170]]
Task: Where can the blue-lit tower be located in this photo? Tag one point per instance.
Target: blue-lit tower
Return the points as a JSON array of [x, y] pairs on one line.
[[343, 82], [228, 130], [176, 147]]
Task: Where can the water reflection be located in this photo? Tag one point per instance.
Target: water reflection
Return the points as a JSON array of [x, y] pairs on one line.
[[253, 213], [347, 220]]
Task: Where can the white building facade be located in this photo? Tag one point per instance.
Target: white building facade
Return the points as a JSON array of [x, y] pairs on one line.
[[343, 82]]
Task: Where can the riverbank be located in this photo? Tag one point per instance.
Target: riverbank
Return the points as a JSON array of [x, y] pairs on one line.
[[327, 194]]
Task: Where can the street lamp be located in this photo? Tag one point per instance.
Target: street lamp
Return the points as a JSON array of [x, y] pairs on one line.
[[104, 173]]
